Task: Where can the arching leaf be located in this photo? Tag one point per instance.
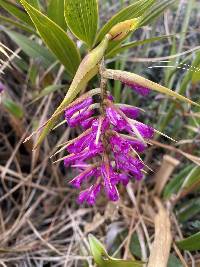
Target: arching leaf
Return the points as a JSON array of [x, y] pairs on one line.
[[132, 11], [16, 11], [82, 19], [191, 243], [31, 48], [55, 12], [55, 38]]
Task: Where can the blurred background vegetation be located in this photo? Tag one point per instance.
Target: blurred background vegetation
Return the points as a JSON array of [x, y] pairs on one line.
[[40, 222]]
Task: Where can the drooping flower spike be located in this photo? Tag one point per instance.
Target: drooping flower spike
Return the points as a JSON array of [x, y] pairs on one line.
[[106, 154]]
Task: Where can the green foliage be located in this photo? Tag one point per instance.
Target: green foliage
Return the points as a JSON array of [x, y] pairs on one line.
[[102, 259], [34, 3], [55, 38], [122, 47], [156, 10], [16, 11], [48, 90], [188, 210], [82, 19], [19, 25], [192, 181], [135, 247], [174, 261], [132, 11], [31, 48], [13, 108], [191, 243], [175, 184], [55, 12]]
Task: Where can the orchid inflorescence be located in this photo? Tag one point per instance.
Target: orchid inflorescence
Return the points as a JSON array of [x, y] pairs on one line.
[[106, 154]]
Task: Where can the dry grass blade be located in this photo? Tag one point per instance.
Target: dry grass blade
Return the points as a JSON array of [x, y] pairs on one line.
[[159, 254], [193, 158]]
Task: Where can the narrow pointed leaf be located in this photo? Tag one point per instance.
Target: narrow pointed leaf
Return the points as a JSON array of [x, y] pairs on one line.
[[97, 249], [31, 48], [192, 180], [34, 3], [156, 10], [174, 261], [188, 210], [122, 47], [55, 38], [82, 19], [132, 11], [191, 243], [175, 183], [102, 258], [17, 24], [16, 11], [132, 78], [48, 90], [56, 12], [13, 108]]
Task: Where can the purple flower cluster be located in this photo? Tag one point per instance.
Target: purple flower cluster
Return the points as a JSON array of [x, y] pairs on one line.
[[106, 153]]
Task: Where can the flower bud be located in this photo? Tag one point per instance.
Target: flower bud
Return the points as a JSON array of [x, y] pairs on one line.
[[122, 29]]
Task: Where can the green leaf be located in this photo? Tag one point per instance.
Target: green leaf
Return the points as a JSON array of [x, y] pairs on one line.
[[48, 90], [12, 107], [196, 76], [55, 38], [174, 261], [189, 210], [16, 11], [123, 47], [192, 181], [17, 24], [97, 249], [191, 243], [135, 247], [156, 10], [55, 12], [82, 19], [132, 11], [175, 183], [31, 48], [102, 258], [34, 3]]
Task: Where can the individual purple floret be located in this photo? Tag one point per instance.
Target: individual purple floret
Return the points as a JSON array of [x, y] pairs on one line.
[[116, 119], [137, 145], [78, 180], [78, 106], [131, 112], [138, 88], [86, 124], [110, 188], [79, 112], [89, 195], [106, 154], [145, 130]]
